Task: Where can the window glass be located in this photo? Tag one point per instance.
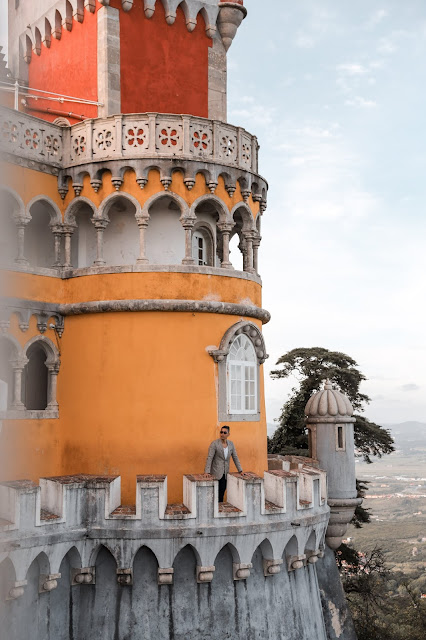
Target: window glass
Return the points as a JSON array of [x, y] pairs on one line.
[[242, 376]]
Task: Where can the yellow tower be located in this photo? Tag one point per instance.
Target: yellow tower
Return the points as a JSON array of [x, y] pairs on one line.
[[130, 333]]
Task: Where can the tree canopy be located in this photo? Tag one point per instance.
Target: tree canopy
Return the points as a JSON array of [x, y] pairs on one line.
[[312, 366]]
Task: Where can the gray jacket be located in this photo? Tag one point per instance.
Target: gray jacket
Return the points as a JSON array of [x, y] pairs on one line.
[[216, 463]]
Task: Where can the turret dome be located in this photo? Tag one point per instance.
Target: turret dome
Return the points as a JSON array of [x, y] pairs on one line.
[[328, 403]]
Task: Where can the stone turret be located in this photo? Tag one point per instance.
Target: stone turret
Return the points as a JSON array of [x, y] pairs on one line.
[[330, 421]]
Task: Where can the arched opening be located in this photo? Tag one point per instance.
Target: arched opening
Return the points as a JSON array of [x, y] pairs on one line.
[[203, 245], [39, 240], [83, 240], [185, 609], [65, 600], [223, 596], [121, 236], [36, 378], [235, 252], [204, 234], [7, 354], [98, 603], [165, 236]]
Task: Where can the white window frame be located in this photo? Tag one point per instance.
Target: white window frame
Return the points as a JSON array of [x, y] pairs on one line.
[[244, 367]]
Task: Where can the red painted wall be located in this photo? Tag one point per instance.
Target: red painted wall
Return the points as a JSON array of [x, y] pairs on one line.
[[69, 67], [164, 67]]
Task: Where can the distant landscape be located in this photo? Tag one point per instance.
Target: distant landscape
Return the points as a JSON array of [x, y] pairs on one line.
[[396, 499]]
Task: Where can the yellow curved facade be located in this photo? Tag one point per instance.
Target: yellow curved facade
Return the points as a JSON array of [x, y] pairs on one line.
[[137, 390]]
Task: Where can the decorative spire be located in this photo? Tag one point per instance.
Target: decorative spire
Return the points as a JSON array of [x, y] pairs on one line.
[[231, 15]]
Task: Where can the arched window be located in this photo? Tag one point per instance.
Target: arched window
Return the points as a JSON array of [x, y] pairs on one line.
[[242, 376], [36, 378], [240, 354], [202, 246], [199, 249]]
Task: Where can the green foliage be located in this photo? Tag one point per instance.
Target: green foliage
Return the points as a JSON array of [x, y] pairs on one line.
[[312, 366], [384, 605]]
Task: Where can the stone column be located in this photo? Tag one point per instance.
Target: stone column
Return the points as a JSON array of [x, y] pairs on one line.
[[225, 228], [100, 226], [68, 230], [53, 369], [188, 224], [256, 244], [142, 221], [249, 252], [21, 222], [57, 234], [18, 366]]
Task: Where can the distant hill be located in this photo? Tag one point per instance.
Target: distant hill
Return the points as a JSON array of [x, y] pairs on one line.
[[408, 435]]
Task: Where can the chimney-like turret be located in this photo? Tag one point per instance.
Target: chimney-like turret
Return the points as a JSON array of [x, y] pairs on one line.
[[330, 421]]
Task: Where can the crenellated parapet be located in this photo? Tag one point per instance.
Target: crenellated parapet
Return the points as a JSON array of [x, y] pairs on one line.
[[86, 511]]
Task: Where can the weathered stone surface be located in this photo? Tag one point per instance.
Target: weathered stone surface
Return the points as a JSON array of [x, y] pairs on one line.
[[337, 617]]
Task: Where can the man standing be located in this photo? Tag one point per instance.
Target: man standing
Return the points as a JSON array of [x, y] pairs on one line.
[[219, 457]]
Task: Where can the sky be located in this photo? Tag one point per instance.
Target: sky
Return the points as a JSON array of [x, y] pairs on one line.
[[335, 92]]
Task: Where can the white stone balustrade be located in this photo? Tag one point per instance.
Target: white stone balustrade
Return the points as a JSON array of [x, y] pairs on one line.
[[149, 135]]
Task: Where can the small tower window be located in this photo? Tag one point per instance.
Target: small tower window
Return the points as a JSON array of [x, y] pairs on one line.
[[340, 438]]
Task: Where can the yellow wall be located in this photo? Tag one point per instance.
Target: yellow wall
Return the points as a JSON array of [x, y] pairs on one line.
[[137, 391], [137, 394]]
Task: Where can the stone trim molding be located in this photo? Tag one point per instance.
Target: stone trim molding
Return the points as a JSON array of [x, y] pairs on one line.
[[220, 357], [252, 331], [24, 309], [188, 306], [71, 272]]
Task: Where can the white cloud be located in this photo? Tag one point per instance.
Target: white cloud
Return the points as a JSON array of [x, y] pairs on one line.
[[386, 46], [304, 41], [376, 18], [352, 69], [361, 103]]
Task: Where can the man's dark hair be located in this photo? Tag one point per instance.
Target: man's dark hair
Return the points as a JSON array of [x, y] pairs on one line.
[[225, 426]]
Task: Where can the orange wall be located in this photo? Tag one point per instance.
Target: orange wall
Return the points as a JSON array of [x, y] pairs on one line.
[[164, 68], [137, 394], [69, 67]]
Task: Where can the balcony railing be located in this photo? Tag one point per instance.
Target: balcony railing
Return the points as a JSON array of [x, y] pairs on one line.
[[149, 135]]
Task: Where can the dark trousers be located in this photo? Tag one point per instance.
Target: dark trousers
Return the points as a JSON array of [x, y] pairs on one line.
[[222, 487]]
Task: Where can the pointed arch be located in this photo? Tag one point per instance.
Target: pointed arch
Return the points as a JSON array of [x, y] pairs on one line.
[[246, 215], [71, 210], [54, 212], [180, 202], [221, 209], [107, 203]]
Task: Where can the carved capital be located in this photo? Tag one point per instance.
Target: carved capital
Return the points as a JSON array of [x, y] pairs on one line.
[[99, 223], [142, 220], [188, 221]]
